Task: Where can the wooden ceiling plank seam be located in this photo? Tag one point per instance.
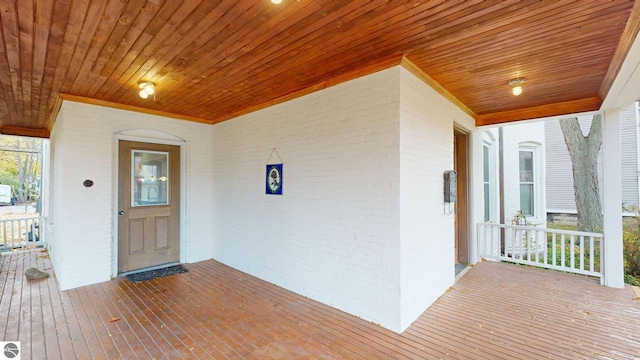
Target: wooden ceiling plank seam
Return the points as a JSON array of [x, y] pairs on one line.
[[81, 42], [162, 43], [345, 37], [195, 71], [320, 85], [8, 13], [332, 74], [407, 64], [43, 18], [506, 37], [115, 38], [629, 34], [430, 72], [284, 58], [116, 48], [473, 49], [379, 44], [582, 50], [63, 35], [524, 39], [185, 35], [267, 48], [321, 74], [138, 26], [108, 21], [26, 14], [204, 43], [9, 113], [207, 64], [147, 44], [471, 17], [548, 15]]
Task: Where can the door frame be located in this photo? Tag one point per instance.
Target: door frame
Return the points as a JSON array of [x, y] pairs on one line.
[[464, 196], [153, 137]]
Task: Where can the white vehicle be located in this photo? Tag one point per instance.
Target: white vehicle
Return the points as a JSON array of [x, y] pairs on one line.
[[5, 195]]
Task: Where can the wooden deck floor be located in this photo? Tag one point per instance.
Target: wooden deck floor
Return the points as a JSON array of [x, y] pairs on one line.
[[495, 311]]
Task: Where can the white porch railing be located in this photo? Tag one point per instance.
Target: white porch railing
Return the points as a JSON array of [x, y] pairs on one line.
[[571, 251], [20, 232]]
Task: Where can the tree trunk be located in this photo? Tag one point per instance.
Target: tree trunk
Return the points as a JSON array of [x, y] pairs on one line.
[[584, 161]]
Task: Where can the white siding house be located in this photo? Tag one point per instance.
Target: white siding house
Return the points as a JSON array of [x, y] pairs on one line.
[[560, 192], [517, 177]]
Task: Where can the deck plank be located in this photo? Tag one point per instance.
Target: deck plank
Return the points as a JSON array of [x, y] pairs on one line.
[[495, 311]]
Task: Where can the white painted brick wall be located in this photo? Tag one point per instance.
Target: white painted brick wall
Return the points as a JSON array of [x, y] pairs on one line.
[[360, 225], [83, 143], [427, 233], [334, 233]]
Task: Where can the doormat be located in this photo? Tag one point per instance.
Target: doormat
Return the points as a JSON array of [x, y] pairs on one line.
[[157, 273]]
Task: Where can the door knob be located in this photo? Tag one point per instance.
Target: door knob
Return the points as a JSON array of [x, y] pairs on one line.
[[121, 212]]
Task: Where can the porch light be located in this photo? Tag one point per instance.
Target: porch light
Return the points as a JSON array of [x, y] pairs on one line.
[[276, 1], [146, 88], [516, 86]]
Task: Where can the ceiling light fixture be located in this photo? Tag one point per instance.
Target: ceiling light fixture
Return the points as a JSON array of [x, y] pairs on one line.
[[517, 86], [146, 88], [276, 1]]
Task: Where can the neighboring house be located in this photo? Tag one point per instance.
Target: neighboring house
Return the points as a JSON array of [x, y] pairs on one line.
[[542, 186], [520, 170], [561, 206]]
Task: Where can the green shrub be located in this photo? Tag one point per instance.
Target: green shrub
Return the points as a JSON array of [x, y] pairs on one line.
[[631, 247]]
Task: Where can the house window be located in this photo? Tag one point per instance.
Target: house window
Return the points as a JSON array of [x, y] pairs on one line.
[[527, 182], [486, 151], [489, 176]]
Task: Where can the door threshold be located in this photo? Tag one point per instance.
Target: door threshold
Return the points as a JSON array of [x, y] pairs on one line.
[[461, 269], [156, 267]]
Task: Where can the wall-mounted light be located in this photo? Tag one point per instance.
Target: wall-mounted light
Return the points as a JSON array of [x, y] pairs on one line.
[[517, 86], [146, 88]]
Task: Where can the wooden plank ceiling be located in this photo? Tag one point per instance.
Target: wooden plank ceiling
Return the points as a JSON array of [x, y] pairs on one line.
[[214, 60]]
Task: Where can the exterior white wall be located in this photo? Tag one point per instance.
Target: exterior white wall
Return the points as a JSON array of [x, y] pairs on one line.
[[334, 233], [513, 137], [81, 220], [360, 225], [427, 234]]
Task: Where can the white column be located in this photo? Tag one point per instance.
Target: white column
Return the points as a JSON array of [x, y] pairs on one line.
[[612, 205]]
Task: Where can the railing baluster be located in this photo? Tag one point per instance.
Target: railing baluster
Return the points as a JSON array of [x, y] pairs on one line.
[[591, 253], [553, 249], [563, 256], [581, 252], [572, 243]]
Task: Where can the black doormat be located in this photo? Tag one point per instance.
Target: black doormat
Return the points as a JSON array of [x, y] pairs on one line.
[[157, 273]]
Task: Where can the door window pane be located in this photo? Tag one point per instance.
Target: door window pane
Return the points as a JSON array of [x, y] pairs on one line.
[[150, 178]]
